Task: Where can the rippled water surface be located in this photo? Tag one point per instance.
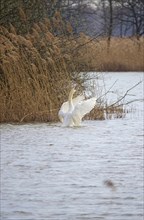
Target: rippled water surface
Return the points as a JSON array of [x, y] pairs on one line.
[[55, 173]]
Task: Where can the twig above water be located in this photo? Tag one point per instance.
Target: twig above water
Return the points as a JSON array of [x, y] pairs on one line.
[[126, 93]]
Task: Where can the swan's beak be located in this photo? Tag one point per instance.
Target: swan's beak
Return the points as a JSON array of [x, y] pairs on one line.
[[74, 86], [73, 89]]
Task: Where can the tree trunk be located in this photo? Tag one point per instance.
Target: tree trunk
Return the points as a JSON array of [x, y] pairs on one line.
[[110, 25]]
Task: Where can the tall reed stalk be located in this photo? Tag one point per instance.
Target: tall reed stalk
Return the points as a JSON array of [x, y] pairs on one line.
[[33, 76], [125, 54], [37, 70]]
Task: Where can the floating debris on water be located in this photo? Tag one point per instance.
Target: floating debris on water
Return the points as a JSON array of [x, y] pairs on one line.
[[110, 184]]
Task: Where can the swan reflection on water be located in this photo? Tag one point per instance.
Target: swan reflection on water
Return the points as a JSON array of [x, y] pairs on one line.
[[72, 111]]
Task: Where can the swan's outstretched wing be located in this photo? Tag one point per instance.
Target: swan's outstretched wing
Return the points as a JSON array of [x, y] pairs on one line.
[[61, 115], [65, 107], [83, 108]]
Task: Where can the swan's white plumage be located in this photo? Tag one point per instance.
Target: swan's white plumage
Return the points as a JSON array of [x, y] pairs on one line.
[[72, 111], [65, 107]]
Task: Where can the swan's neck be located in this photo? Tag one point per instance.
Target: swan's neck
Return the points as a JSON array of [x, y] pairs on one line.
[[70, 100]]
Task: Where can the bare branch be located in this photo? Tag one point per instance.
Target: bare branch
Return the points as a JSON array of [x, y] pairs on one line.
[[126, 93]]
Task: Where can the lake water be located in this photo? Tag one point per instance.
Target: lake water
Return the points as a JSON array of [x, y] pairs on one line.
[[49, 172]]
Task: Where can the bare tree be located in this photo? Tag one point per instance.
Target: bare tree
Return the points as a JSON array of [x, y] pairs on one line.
[[130, 14], [110, 28], [24, 13]]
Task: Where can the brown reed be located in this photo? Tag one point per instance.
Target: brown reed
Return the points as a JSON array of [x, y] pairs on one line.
[[36, 70], [33, 84], [125, 54]]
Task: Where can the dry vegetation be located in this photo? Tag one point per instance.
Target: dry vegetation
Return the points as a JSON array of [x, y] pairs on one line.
[[125, 54], [36, 70], [33, 75]]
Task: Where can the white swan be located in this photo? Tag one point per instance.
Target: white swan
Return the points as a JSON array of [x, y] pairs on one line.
[[72, 111]]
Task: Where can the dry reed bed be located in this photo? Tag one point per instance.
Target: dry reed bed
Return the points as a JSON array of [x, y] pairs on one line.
[[36, 71], [33, 75], [125, 54]]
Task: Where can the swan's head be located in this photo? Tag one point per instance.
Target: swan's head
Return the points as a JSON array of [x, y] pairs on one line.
[[73, 91]]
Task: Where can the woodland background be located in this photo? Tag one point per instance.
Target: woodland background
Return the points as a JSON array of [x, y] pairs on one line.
[[45, 45]]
